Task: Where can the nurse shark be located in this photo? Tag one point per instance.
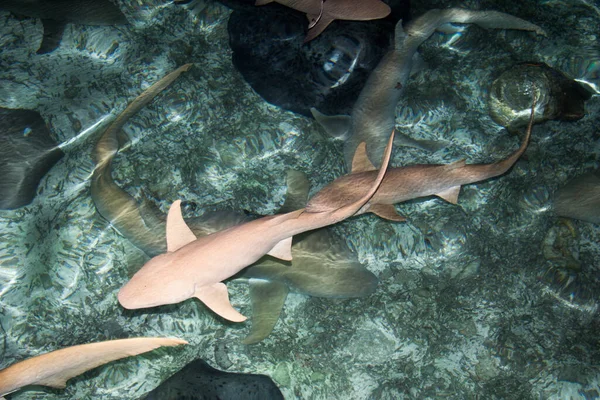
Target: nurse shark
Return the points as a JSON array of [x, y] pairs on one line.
[[323, 266], [196, 267], [373, 115], [410, 182]]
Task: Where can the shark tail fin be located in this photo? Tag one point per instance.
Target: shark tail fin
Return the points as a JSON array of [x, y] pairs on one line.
[[178, 233], [216, 298]]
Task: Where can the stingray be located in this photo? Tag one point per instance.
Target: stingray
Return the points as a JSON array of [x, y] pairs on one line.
[[326, 73], [55, 14], [200, 381], [27, 152]]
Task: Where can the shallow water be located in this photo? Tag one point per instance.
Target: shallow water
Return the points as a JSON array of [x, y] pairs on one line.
[[476, 300]]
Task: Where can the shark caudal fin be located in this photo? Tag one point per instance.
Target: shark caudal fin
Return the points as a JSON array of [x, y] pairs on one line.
[[178, 233], [216, 298]]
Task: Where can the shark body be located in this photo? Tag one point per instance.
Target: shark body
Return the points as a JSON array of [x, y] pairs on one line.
[[323, 266], [196, 267], [54, 369], [410, 182], [373, 115], [322, 12]]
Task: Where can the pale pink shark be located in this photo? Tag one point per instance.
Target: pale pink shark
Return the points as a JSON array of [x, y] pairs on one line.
[[322, 12], [409, 182], [196, 267], [54, 369]]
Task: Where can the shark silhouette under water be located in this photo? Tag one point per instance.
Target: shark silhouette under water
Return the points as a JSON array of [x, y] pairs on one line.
[[373, 115], [323, 266], [410, 182]]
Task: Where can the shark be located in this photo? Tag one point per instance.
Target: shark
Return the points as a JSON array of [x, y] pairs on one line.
[[323, 265], [55, 14], [374, 112], [321, 13], [55, 368], [196, 267], [116, 205], [409, 182]]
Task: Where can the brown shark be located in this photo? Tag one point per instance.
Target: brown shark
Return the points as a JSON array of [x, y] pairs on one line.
[[113, 203], [323, 266], [196, 267], [322, 12], [54, 369], [374, 113], [410, 182]]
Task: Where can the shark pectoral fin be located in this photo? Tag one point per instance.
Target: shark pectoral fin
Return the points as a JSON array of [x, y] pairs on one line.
[[338, 126], [53, 33], [267, 299], [282, 250], [216, 298], [317, 28], [450, 195], [178, 233], [361, 162], [386, 211], [262, 2]]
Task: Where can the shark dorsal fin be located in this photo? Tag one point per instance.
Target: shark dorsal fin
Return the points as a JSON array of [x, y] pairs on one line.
[[216, 298], [338, 126], [178, 233], [450, 195], [282, 250], [360, 162], [386, 211]]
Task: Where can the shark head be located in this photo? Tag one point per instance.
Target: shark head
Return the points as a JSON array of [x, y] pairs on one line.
[[144, 289]]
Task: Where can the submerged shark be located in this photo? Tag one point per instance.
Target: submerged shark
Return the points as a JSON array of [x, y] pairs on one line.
[[200, 381], [409, 182], [54, 369], [55, 14], [580, 198], [322, 12], [323, 266], [196, 267], [373, 115]]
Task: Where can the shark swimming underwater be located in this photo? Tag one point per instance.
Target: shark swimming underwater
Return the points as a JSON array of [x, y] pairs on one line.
[[54, 369], [138, 223], [196, 267], [373, 115], [323, 266], [410, 182], [322, 12]]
